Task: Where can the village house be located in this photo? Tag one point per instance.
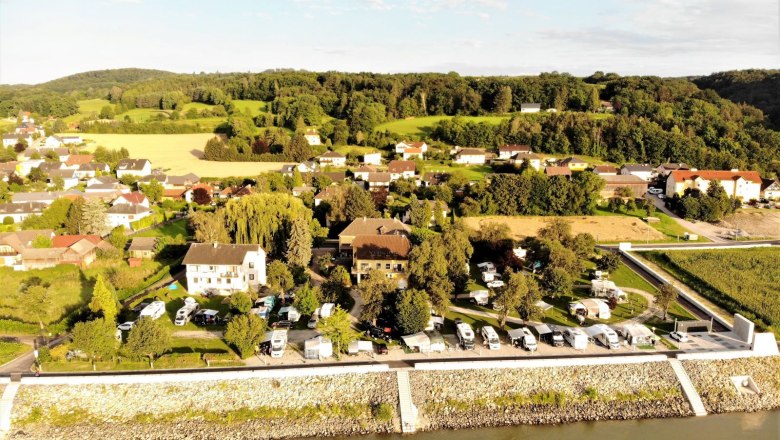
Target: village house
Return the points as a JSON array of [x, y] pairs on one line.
[[370, 226], [12, 244], [770, 189], [124, 214], [298, 191], [133, 167], [102, 180], [312, 137], [413, 153], [388, 254], [80, 250], [445, 211], [332, 158], [404, 145], [665, 169], [433, 178], [362, 172], [9, 140], [236, 192], [530, 107], [142, 248], [60, 154], [76, 160], [372, 158], [470, 156], [557, 171], [574, 164], [69, 178], [20, 211], [534, 160], [637, 185], [90, 170], [303, 167], [643, 171], [375, 181], [224, 268], [510, 151], [45, 197], [401, 169], [605, 170], [132, 198], [743, 185]]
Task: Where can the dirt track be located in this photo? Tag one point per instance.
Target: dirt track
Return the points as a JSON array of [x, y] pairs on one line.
[[605, 229]]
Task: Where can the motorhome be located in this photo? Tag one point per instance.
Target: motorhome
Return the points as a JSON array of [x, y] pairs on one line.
[[290, 313], [522, 337], [184, 314], [357, 347], [465, 336], [576, 338], [326, 310], [490, 338], [549, 334], [153, 310], [479, 297], [206, 317], [278, 343]]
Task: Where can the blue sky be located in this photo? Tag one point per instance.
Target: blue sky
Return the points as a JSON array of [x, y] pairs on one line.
[[43, 40]]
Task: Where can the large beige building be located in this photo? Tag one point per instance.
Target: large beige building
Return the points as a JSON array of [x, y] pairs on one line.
[[744, 185], [388, 254]]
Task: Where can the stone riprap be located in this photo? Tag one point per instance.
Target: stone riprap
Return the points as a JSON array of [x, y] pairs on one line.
[[266, 408], [496, 397], [712, 378]]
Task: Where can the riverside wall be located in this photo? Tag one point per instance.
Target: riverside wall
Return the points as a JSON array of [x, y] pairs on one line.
[[298, 405]]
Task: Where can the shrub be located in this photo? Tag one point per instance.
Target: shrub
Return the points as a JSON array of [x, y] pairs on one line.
[[383, 412], [8, 221], [44, 354]]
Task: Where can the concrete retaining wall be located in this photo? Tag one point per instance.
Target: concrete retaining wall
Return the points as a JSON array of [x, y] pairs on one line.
[[538, 363]]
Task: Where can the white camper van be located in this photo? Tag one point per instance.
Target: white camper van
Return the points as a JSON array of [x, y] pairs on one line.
[[605, 335], [184, 314], [154, 310], [278, 343], [490, 338], [465, 336], [576, 338]]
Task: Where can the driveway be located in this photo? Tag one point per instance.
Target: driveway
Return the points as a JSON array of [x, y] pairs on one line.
[[704, 229]]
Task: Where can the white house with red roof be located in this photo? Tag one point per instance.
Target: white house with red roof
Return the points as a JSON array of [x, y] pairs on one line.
[[132, 198], [744, 185], [405, 145]]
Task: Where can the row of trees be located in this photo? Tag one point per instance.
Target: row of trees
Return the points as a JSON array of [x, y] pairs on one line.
[[710, 206]]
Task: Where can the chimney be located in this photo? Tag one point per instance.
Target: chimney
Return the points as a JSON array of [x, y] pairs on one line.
[[381, 230]]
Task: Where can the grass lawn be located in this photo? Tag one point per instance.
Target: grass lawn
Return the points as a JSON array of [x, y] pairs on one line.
[[174, 300], [559, 314], [667, 225], [250, 106], [355, 149], [172, 229], [178, 154], [423, 126], [142, 114], [676, 311], [12, 350], [69, 290], [196, 105], [87, 107], [625, 277], [474, 172]]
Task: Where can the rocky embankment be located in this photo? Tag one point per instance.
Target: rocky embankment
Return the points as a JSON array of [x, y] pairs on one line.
[[236, 409], [713, 381], [496, 397]]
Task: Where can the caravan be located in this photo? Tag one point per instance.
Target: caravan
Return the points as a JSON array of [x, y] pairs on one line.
[[184, 314], [154, 310], [604, 334], [576, 338], [465, 335], [278, 343], [490, 338]]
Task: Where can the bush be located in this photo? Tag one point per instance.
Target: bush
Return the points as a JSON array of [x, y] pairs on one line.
[[8, 220], [383, 412], [44, 354]]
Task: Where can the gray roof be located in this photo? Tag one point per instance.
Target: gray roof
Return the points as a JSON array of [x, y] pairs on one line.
[[219, 254], [125, 208], [22, 208], [187, 179], [44, 151], [132, 164], [530, 105], [36, 196], [65, 174], [143, 244], [633, 167]]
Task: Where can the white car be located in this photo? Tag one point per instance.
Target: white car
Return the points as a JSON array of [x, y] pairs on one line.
[[661, 196], [679, 336], [495, 284], [125, 326], [655, 190]]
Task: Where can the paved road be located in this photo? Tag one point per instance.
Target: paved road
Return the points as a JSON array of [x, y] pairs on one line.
[[24, 363]]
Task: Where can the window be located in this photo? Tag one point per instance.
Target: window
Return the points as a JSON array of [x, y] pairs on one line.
[[251, 264], [387, 266], [211, 268], [378, 265], [209, 280], [363, 266], [251, 277], [399, 267], [194, 280]]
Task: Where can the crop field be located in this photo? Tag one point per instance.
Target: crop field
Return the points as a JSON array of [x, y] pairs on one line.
[[423, 126], [178, 153], [739, 280], [604, 229], [87, 107]]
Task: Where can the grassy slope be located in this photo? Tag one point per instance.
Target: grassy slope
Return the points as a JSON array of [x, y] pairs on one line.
[[69, 290], [11, 350], [178, 227], [422, 126], [254, 107]]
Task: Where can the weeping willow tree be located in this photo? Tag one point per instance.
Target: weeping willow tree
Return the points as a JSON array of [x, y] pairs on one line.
[[264, 219]]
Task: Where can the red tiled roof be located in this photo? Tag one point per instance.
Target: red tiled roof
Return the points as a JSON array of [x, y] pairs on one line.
[[399, 166], [381, 247], [557, 171], [413, 150], [79, 159], [680, 175], [205, 186], [514, 147], [63, 241], [134, 197]]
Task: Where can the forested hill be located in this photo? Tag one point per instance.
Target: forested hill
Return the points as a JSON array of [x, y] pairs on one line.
[[759, 88], [102, 79]]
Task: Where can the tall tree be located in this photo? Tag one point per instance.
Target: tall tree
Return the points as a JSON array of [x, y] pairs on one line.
[[338, 328], [37, 299], [245, 332], [201, 196], [666, 295], [95, 338], [374, 290], [279, 277], [503, 100], [118, 238], [264, 219], [103, 300], [419, 212], [337, 285], [510, 296], [74, 222], [93, 218], [557, 281], [299, 244], [209, 227], [413, 311], [359, 203], [152, 190], [240, 302], [148, 338], [308, 298], [558, 229], [428, 270]]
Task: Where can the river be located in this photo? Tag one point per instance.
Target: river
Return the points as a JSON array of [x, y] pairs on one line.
[[733, 426]]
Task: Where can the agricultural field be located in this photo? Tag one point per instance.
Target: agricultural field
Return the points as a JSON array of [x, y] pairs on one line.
[[757, 223], [603, 228], [87, 107], [422, 126], [178, 153], [739, 280], [667, 225]]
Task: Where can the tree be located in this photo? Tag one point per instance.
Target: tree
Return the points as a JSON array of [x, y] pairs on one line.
[[583, 245], [420, 212], [74, 220], [209, 227], [557, 281], [107, 112], [429, 271], [95, 338], [264, 219], [245, 332], [338, 328], [93, 218], [148, 338], [240, 302], [279, 277], [307, 299], [373, 290], [666, 295], [37, 175], [36, 298], [152, 190], [299, 244], [201, 196], [503, 100], [118, 238], [413, 311], [557, 228], [510, 296], [337, 285], [42, 242], [103, 300], [527, 308], [609, 262], [359, 204]]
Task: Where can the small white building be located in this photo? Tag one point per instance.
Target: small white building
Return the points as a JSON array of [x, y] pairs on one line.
[[131, 198], [20, 211], [313, 137], [643, 171], [530, 107], [224, 268], [372, 159], [125, 214], [133, 167], [332, 158], [470, 156], [404, 145], [401, 169], [510, 151]]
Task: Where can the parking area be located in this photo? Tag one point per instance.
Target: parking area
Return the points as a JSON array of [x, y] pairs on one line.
[[702, 341]]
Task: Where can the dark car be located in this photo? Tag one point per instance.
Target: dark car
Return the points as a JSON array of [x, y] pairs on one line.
[[282, 324], [141, 305]]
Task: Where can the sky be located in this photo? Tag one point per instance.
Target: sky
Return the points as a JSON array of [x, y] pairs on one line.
[[44, 40]]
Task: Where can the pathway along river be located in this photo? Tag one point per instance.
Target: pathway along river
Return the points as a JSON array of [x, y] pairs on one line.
[[732, 426]]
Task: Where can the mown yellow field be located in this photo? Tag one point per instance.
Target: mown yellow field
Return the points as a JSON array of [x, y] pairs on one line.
[[604, 229], [178, 153]]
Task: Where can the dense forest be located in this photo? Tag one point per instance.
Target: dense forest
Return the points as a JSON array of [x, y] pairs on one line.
[[654, 120], [759, 88]]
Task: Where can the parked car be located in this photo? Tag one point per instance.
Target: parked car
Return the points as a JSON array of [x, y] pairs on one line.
[[655, 190], [125, 326], [495, 284], [282, 324], [312, 322], [679, 336], [139, 307]]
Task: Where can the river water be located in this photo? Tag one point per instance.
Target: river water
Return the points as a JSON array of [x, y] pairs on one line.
[[733, 426]]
